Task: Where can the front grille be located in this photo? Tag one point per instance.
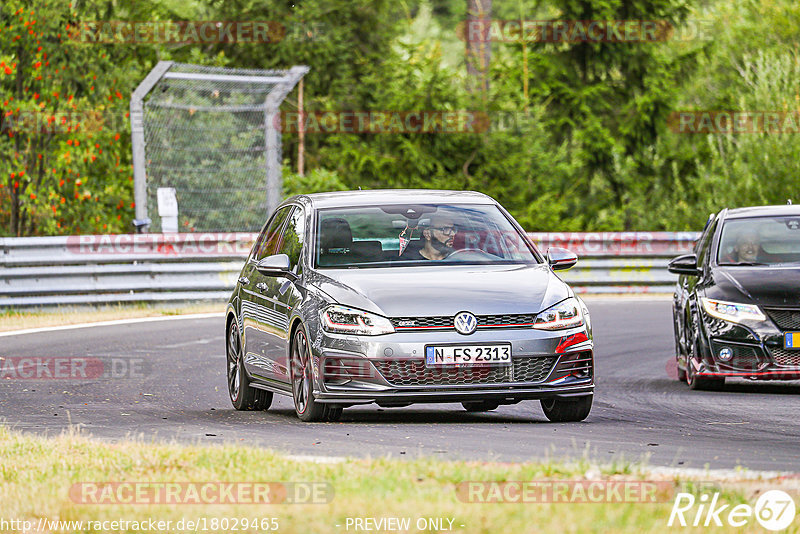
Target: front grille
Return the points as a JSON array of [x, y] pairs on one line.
[[422, 322], [512, 320], [532, 369], [786, 319], [786, 358], [414, 372], [745, 358]]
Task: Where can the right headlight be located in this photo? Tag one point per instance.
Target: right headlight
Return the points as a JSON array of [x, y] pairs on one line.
[[732, 311], [566, 314], [344, 320]]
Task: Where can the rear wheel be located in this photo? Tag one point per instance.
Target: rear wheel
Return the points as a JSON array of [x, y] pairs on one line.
[[567, 410], [243, 396], [302, 374], [480, 406]]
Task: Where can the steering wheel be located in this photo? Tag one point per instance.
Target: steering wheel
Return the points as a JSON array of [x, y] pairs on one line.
[[466, 254]]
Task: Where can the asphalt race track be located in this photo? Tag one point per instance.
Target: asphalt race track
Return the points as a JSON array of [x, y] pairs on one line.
[[172, 386]]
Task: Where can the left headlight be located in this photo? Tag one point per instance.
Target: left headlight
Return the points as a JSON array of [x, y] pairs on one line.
[[732, 311], [566, 314], [344, 320]]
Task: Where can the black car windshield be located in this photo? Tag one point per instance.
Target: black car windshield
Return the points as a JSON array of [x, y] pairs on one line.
[[760, 241], [418, 234]]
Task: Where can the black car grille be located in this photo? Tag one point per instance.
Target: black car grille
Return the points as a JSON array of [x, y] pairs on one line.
[[524, 320], [414, 372], [744, 357], [786, 358], [786, 319]]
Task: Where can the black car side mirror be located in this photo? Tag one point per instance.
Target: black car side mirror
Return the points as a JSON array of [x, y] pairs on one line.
[[561, 259], [276, 265], [686, 264]]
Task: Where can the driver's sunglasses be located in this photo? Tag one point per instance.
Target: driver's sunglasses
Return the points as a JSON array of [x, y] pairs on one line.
[[446, 230]]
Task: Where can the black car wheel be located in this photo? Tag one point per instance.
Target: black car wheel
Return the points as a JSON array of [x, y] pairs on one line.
[[695, 382], [243, 396], [480, 406], [306, 407], [678, 354], [567, 410]]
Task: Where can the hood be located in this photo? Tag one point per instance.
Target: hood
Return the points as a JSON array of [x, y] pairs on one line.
[[766, 286], [446, 290]]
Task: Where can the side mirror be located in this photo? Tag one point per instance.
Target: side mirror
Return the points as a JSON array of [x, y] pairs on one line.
[[561, 259], [276, 265], [686, 264]]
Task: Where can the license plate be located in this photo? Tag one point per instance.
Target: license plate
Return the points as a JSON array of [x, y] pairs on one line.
[[791, 340], [436, 355]]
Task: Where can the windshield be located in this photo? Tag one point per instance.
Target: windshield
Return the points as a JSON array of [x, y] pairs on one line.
[[760, 241], [417, 234]]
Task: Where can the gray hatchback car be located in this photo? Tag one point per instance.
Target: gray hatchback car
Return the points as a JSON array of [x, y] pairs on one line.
[[397, 297]]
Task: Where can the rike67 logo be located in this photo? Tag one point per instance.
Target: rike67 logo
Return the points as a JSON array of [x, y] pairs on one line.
[[774, 510]]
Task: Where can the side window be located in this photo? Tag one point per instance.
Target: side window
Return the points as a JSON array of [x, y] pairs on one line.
[[293, 237], [267, 243], [705, 245]]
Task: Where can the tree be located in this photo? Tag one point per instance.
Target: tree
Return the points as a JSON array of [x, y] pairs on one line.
[[66, 165]]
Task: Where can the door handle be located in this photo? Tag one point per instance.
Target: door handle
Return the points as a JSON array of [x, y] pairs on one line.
[[261, 286], [244, 280]]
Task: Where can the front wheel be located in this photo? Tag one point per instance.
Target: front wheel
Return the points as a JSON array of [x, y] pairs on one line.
[[302, 374], [698, 382], [567, 410], [243, 396]]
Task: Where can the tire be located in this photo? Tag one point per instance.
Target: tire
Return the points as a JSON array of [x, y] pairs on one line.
[[242, 395], [698, 384], [302, 376], [480, 406], [681, 372], [567, 410]]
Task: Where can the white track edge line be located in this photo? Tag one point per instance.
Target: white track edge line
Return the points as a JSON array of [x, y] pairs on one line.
[[110, 323]]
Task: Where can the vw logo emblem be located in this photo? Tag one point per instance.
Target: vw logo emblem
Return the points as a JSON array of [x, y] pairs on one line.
[[465, 323]]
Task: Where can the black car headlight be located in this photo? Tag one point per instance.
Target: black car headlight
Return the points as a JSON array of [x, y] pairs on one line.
[[732, 311], [566, 314], [344, 320]]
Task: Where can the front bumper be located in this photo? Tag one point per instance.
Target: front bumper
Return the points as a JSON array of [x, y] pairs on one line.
[[753, 351], [390, 369], [757, 361]]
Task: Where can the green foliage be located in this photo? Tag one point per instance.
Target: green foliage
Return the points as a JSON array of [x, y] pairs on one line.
[[586, 148], [317, 181]]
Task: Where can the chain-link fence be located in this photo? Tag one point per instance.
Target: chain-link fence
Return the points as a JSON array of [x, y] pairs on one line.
[[210, 133]]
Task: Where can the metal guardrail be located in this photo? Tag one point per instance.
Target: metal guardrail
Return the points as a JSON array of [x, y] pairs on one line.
[[48, 271]]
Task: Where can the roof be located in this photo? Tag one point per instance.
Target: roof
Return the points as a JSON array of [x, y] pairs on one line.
[[391, 196], [763, 211]]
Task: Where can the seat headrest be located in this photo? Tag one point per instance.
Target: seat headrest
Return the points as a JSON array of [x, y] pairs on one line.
[[335, 236]]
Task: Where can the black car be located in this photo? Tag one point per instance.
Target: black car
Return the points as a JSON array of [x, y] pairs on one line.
[[736, 307], [399, 297]]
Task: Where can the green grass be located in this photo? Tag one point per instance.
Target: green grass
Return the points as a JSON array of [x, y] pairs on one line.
[[36, 475]]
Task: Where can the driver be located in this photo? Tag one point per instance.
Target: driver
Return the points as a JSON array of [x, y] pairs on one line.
[[747, 248], [437, 239]]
